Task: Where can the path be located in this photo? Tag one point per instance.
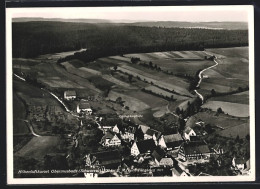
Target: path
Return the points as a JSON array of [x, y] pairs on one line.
[[200, 76]]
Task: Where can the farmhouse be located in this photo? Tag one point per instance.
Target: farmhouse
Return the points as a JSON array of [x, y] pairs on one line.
[[197, 151], [188, 132], [69, 95], [143, 147], [170, 142], [110, 139], [104, 159], [83, 106]]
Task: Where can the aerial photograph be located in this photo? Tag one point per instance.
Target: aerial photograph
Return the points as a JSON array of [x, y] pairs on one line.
[[130, 92]]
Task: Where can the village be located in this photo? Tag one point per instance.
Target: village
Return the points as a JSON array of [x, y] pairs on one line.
[[129, 149]]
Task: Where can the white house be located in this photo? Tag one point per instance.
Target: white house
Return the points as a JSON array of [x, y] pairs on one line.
[[188, 132], [116, 129], [83, 106], [110, 139], [172, 141], [69, 95]]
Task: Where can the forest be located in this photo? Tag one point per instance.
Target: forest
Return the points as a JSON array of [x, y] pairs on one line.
[[31, 39]]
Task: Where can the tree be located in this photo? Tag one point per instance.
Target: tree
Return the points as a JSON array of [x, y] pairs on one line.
[[178, 111], [115, 67], [219, 110], [213, 92], [130, 77], [151, 64]]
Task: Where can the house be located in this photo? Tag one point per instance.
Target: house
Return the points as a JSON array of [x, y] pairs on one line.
[[110, 139], [197, 151], [178, 172], [143, 128], [143, 147], [128, 133], [161, 159], [115, 129], [158, 154], [171, 141], [84, 107], [151, 134], [188, 132], [240, 163], [104, 160], [69, 95]]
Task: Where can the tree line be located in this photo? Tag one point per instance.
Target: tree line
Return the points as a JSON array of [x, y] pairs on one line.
[[31, 39]]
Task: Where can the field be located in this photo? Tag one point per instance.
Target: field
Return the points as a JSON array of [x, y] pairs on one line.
[[233, 68], [133, 103], [38, 147], [240, 130], [234, 109], [214, 119], [240, 98]]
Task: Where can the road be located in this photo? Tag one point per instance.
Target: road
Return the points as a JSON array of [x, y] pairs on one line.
[[200, 76]]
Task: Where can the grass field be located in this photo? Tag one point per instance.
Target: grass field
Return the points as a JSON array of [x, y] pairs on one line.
[[38, 147], [241, 130], [151, 100], [234, 109], [235, 98], [210, 117], [232, 69], [133, 103]]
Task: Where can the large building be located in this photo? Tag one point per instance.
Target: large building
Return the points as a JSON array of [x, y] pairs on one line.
[[143, 147], [84, 107], [197, 151], [170, 142]]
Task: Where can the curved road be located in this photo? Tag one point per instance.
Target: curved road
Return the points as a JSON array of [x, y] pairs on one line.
[[200, 76]]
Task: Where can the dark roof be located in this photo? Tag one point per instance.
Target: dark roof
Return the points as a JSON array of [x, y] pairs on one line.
[[84, 104], [151, 132], [240, 160], [106, 158], [109, 135], [70, 93], [158, 153], [146, 145], [173, 140], [198, 147]]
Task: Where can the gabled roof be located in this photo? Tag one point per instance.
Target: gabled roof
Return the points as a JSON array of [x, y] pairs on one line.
[[146, 145], [144, 128], [109, 159], [187, 130], [70, 93], [172, 138], [84, 104], [152, 132], [158, 154], [198, 147], [177, 170]]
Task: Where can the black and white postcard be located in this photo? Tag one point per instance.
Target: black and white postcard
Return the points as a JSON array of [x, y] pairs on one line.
[[130, 94]]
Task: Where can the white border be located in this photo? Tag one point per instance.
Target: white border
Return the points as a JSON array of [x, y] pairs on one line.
[[9, 104]]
